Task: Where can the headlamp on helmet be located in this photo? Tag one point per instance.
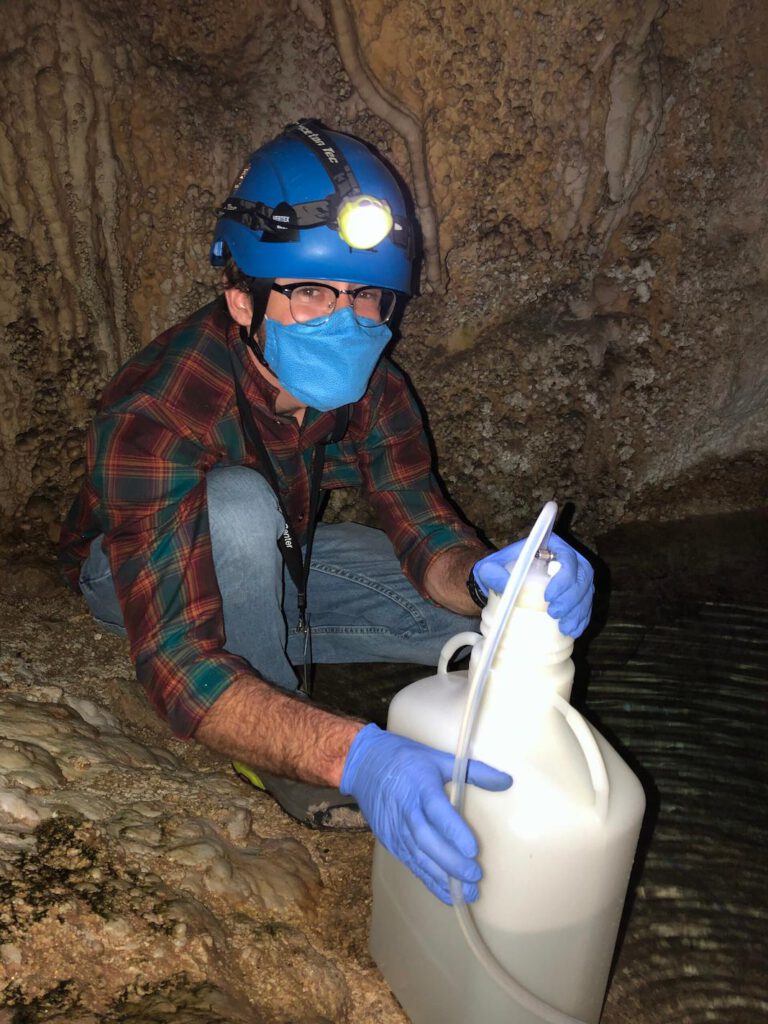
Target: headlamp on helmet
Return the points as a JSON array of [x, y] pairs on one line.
[[364, 221]]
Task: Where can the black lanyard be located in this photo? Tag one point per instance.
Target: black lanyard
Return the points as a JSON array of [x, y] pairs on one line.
[[288, 542]]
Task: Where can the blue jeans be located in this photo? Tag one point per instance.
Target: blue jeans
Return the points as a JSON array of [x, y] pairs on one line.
[[361, 606]]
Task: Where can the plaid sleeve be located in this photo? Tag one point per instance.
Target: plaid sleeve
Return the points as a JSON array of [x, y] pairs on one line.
[[150, 480], [396, 465]]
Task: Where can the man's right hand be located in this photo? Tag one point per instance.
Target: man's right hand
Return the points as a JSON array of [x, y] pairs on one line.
[[399, 785]]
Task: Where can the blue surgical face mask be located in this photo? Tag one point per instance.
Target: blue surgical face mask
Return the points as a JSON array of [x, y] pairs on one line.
[[324, 365]]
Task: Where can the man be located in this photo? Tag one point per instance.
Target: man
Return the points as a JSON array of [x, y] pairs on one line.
[[193, 530]]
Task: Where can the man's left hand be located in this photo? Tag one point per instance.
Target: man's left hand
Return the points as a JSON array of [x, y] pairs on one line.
[[569, 592]]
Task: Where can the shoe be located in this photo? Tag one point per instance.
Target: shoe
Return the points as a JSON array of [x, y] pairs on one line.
[[321, 807]]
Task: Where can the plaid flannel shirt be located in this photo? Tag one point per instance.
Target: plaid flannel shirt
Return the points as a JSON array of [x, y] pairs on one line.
[[169, 416]]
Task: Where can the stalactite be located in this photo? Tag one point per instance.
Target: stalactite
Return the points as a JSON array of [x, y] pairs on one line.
[[404, 122]]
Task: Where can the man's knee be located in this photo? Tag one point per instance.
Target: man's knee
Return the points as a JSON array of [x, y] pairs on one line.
[[242, 504]]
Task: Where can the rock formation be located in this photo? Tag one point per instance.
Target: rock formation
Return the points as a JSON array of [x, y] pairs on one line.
[[590, 182]]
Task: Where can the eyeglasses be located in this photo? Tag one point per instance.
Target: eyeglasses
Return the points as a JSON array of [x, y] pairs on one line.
[[310, 300]]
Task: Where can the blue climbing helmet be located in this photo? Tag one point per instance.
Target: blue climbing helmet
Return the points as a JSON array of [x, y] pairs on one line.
[[315, 204]]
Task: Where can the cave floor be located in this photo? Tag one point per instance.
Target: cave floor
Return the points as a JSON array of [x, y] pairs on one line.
[[673, 672]]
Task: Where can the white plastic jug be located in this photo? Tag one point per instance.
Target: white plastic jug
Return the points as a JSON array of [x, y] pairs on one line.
[[556, 849]]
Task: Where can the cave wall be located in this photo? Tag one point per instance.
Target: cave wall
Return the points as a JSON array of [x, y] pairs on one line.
[[591, 183]]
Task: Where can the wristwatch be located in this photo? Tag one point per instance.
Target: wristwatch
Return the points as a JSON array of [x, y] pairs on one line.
[[474, 590]]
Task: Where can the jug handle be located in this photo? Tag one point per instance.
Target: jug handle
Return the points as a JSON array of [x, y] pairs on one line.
[[451, 646], [597, 771]]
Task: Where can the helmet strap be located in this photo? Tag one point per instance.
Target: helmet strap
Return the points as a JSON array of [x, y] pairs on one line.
[[252, 342], [308, 130], [259, 292]]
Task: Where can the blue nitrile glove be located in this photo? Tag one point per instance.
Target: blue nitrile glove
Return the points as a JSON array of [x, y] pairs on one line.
[[399, 785], [569, 592]]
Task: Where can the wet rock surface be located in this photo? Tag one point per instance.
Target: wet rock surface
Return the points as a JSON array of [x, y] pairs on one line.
[[140, 880], [139, 877]]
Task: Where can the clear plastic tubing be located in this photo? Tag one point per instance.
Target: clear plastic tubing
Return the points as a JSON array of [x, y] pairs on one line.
[[538, 538]]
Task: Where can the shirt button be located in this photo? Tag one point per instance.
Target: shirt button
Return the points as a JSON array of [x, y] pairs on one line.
[[300, 517]]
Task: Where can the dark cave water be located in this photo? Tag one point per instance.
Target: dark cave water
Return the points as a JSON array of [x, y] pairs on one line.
[[685, 701]]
